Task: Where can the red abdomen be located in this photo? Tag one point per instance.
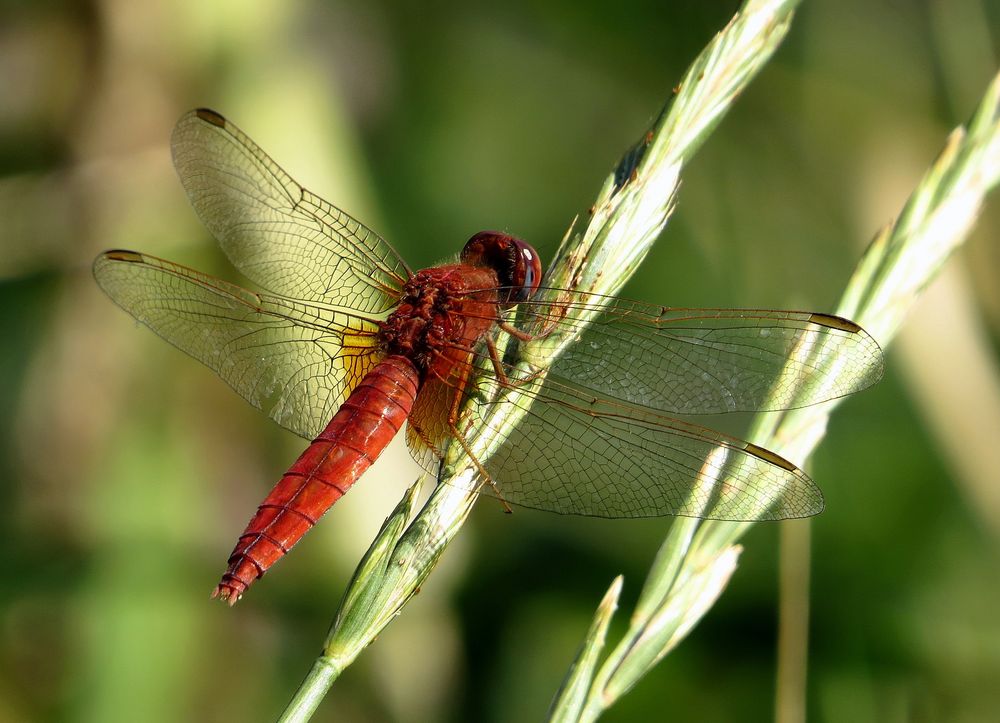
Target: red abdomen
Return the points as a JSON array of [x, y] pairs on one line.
[[351, 442]]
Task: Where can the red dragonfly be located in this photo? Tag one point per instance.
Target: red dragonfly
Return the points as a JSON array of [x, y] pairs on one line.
[[345, 344]]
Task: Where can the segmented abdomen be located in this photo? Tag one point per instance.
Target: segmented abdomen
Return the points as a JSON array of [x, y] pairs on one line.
[[352, 441]]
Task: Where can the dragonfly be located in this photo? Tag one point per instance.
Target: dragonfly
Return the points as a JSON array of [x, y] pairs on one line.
[[344, 345]]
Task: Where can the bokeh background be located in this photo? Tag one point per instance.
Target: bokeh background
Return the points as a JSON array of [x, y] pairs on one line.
[[127, 470]]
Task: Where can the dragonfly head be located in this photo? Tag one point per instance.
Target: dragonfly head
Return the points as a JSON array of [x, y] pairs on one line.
[[516, 263]]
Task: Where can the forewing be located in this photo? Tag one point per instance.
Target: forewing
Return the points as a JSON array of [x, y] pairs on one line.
[[277, 233], [574, 455], [294, 360], [708, 361]]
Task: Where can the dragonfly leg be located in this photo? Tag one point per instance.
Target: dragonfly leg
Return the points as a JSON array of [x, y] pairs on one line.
[[522, 335], [426, 439], [479, 467], [491, 347], [453, 413], [518, 333], [501, 374]]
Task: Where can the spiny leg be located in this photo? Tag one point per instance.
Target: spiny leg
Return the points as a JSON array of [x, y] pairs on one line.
[[453, 413], [426, 439], [521, 335], [505, 381]]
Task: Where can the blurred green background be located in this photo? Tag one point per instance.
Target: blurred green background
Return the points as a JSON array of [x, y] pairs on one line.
[[127, 470]]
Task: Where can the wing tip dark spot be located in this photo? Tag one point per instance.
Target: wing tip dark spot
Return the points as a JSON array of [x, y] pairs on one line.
[[122, 255], [769, 456], [210, 116], [834, 322]]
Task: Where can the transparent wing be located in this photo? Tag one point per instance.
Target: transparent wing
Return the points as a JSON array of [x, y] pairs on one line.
[[427, 431], [594, 440], [294, 360], [708, 361], [572, 454], [277, 233]]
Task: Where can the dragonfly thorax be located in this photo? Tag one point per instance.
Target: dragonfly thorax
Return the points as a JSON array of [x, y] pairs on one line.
[[441, 309]]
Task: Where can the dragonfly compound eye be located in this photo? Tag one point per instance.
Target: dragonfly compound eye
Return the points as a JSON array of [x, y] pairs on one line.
[[517, 264]]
